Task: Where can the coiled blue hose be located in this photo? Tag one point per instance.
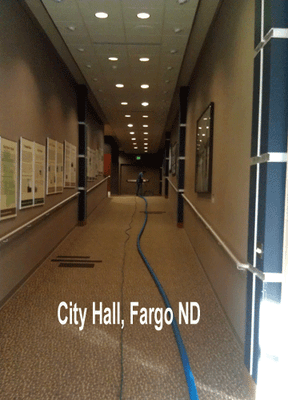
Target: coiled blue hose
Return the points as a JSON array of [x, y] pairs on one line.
[[183, 354]]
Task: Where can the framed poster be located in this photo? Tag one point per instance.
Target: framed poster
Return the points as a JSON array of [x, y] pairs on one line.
[[26, 173], [204, 151], [69, 165], [51, 166], [55, 167], [59, 167], [8, 178], [39, 174]]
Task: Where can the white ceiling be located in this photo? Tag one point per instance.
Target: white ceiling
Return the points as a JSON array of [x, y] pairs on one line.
[[162, 38]]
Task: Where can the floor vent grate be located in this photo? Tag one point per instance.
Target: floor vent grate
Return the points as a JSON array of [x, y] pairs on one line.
[[75, 261]]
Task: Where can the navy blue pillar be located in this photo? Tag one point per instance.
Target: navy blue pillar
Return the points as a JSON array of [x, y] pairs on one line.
[[267, 184], [82, 151], [181, 153], [166, 155]]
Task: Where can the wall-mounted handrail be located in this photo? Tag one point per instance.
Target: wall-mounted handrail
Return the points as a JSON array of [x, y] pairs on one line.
[[5, 238], [174, 187], [240, 265], [99, 183]]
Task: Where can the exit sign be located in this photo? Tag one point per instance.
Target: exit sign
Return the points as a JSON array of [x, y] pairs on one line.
[[138, 157]]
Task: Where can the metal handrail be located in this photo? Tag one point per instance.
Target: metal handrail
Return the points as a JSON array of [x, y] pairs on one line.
[[97, 184], [5, 238], [174, 187], [240, 265]]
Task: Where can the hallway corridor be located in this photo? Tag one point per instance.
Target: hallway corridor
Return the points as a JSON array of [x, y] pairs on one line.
[[42, 359]]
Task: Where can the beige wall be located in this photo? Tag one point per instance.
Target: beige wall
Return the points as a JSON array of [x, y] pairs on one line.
[[224, 75], [38, 100]]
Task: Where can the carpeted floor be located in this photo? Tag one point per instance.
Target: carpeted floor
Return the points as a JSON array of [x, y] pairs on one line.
[[44, 359]]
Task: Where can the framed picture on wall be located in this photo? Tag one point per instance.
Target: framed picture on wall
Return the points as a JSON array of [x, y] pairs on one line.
[[204, 151]]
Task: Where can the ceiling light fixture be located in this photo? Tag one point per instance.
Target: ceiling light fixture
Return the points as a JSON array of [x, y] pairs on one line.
[[145, 151], [173, 51], [132, 133], [182, 1], [145, 116], [144, 86], [133, 138], [145, 138], [124, 103], [127, 116], [101, 15], [145, 126], [119, 85], [145, 104], [81, 49], [71, 28], [145, 133], [130, 125], [169, 68], [113, 58], [143, 15], [88, 66], [144, 59], [177, 30], [95, 79]]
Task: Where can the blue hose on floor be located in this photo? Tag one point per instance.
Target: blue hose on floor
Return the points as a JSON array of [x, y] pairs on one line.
[[183, 354]]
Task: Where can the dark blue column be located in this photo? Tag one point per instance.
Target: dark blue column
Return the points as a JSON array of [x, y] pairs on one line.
[[82, 151], [181, 153], [167, 146], [267, 180]]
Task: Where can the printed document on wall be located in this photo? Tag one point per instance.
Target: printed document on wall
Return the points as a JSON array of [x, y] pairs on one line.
[[8, 178], [59, 168], [26, 173], [39, 174], [51, 166]]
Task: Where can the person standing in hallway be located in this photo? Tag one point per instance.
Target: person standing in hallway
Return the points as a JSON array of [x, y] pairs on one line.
[[139, 184]]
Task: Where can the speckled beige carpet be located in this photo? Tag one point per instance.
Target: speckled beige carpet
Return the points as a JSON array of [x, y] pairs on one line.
[[44, 359]]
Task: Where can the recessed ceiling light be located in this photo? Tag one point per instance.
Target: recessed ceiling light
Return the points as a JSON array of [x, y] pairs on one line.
[[145, 138], [124, 103], [132, 133], [128, 116], [135, 148], [133, 138], [145, 104], [143, 15], [119, 85], [145, 133], [145, 86], [81, 49], [71, 28], [145, 126], [113, 59], [173, 51], [145, 151], [177, 30], [144, 59], [88, 65], [101, 15], [145, 116], [130, 125], [169, 68]]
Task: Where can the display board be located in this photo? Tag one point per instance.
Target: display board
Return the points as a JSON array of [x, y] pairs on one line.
[[32, 174], [54, 167], [8, 178], [39, 174], [59, 167], [70, 165], [26, 173]]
